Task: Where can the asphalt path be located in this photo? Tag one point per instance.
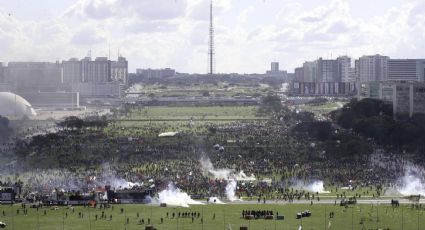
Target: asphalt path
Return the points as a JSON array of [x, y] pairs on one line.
[[321, 201]]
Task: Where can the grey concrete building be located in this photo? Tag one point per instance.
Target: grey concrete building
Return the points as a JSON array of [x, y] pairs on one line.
[[406, 70], [97, 71], [310, 71], [373, 68], [406, 98], [274, 67], [345, 70], [156, 73], [72, 71], [34, 76], [275, 71], [328, 71], [119, 70]]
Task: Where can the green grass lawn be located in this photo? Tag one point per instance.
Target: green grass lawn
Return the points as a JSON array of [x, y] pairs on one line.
[[320, 109], [177, 118], [226, 217], [195, 112], [223, 90]]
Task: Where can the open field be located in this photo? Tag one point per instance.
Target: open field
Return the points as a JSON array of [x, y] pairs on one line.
[[219, 90], [170, 118], [322, 109], [197, 113], [226, 217]]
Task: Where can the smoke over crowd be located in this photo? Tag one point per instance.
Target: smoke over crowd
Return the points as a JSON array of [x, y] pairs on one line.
[[175, 197]]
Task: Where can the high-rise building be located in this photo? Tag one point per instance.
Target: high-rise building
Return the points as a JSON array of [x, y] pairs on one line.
[[275, 71], [275, 67], [299, 74], [373, 68], [344, 69], [96, 78], [100, 70], [72, 71], [97, 71], [310, 71], [328, 71], [406, 70], [325, 77], [119, 70], [34, 76]]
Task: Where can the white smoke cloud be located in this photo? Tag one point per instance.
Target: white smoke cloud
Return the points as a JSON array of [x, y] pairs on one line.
[[208, 167], [231, 191], [175, 197], [215, 200], [227, 174], [315, 186], [412, 183], [109, 177]]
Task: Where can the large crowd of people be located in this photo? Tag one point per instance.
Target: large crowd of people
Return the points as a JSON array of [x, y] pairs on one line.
[[136, 158]]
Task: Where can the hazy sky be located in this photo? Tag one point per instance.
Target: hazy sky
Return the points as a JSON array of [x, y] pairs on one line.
[[174, 33]]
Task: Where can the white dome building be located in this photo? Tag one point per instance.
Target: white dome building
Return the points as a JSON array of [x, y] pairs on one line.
[[15, 106]]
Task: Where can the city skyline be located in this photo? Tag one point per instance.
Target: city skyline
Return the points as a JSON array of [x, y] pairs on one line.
[[174, 33]]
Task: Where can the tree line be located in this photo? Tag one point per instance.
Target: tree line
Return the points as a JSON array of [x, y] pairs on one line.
[[375, 119]]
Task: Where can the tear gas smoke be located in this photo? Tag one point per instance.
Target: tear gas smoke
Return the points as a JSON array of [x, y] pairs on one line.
[[175, 197], [215, 200], [109, 177], [315, 186], [231, 190], [226, 174], [412, 183], [207, 166]]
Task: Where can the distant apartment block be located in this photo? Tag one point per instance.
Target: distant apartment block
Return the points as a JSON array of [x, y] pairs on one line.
[[323, 89], [97, 71], [86, 77], [275, 71], [367, 69], [119, 70], [100, 70], [322, 70], [324, 77], [156, 73], [345, 71], [72, 71], [274, 67], [33, 76], [379, 68], [406, 70], [373, 68], [96, 78], [328, 71]]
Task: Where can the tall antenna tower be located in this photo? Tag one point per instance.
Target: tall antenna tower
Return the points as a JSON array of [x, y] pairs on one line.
[[211, 43]]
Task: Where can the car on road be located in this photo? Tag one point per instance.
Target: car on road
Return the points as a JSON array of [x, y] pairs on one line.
[[2, 225]]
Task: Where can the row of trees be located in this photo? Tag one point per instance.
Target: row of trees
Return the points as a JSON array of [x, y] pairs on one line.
[[325, 134], [73, 122], [374, 119]]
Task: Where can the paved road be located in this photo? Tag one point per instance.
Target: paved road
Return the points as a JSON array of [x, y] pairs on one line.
[[322, 201]]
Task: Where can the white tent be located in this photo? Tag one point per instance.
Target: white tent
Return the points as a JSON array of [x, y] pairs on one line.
[[168, 134]]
